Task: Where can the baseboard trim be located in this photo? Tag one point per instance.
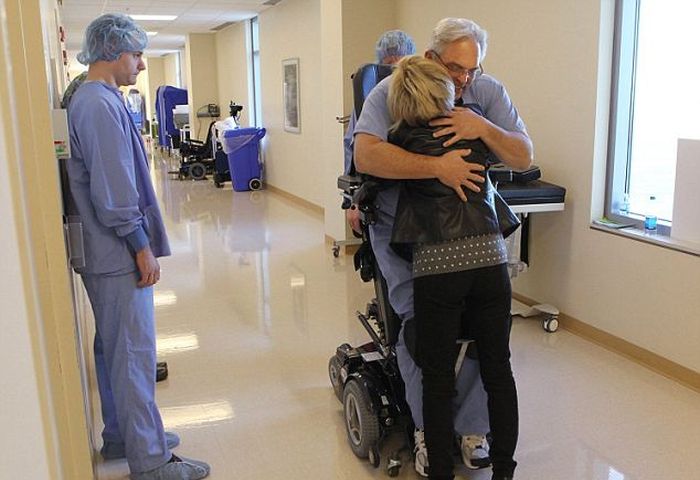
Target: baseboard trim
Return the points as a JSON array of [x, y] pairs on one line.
[[301, 202], [639, 355], [345, 249]]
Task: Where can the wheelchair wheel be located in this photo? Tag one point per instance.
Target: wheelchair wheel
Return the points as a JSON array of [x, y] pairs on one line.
[[334, 374], [197, 171], [361, 424]]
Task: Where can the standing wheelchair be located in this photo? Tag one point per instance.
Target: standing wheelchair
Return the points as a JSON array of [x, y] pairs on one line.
[[366, 379]]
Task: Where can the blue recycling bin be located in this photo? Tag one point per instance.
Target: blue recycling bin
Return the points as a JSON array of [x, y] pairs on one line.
[[242, 147]]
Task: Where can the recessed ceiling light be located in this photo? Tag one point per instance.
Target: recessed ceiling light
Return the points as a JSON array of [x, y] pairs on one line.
[[150, 34], [154, 17]]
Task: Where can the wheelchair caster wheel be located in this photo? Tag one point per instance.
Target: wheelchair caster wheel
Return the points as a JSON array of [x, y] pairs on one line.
[[550, 324], [336, 251], [393, 467], [374, 458]]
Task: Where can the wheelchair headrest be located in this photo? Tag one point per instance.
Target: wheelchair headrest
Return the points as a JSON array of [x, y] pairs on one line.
[[365, 79]]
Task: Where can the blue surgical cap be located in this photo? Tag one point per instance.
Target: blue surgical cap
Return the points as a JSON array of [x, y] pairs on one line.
[[394, 43], [110, 35]]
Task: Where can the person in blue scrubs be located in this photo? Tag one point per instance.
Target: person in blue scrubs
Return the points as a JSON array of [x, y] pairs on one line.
[[391, 47], [460, 46], [123, 237], [470, 403]]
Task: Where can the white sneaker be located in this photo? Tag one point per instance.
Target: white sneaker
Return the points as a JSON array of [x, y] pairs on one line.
[[475, 451], [420, 453]]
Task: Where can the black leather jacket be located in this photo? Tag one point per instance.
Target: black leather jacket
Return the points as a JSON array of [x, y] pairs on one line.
[[429, 211]]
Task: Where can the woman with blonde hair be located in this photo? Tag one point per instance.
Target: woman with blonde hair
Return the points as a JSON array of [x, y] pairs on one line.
[[460, 275]]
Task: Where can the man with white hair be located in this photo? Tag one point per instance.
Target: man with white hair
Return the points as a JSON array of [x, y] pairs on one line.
[[459, 45], [123, 235], [470, 411]]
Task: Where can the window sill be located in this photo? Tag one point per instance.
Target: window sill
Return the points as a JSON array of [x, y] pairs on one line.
[[664, 241]]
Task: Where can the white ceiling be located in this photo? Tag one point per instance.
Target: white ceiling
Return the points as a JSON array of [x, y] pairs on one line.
[[193, 16]]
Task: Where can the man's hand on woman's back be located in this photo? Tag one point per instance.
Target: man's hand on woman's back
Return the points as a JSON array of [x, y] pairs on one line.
[[452, 170]]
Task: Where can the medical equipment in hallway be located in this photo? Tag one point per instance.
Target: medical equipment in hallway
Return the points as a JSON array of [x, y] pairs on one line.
[[168, 99], [196, 157], [525, 198]]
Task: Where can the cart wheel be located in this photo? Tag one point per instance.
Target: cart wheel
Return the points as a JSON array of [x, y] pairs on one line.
[[334, 367], [550, 324], [255, 184], [198, 171], [361, 425]]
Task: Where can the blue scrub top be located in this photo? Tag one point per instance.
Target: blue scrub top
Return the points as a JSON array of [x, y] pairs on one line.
[[110, 182], [485, 91]]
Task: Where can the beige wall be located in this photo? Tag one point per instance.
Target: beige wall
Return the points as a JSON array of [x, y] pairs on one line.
[[22, 410], [331, 139], [170, 70], [547, 54], [293, 161], [232, 70], [202, 78], [363, 22], [155, 68], [43, 415]]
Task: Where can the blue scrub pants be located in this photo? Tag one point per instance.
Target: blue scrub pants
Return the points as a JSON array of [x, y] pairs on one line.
[[469, 405], [125, 360]]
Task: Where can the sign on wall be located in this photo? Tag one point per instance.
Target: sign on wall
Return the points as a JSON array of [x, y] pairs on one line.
[[290, 76]]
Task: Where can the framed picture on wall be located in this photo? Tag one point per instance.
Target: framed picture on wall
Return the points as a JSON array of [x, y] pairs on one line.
[[290, 79]]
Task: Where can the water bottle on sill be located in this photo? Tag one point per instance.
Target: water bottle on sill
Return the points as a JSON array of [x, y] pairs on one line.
[[650, 219], [625, 204]]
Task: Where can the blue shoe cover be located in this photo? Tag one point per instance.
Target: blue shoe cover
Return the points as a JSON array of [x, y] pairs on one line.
[[176, 469], [113, 451]]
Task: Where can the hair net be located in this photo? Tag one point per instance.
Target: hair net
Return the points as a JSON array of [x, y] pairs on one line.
[[110, 35], [394, 43]]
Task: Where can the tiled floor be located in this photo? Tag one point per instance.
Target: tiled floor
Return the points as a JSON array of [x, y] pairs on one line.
[[252, 304]]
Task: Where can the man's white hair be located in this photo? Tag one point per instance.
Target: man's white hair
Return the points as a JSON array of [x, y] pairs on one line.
[[451, 29]]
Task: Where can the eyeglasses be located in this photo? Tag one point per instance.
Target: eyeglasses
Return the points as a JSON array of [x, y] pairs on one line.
[[471, 73]]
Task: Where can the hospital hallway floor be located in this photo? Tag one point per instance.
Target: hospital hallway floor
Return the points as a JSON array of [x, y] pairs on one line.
[[252, 304]]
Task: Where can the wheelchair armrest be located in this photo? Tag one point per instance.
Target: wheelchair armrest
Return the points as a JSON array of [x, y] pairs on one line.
[[500, 173], [349, 183]]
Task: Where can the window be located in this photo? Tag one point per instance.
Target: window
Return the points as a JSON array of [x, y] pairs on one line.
[[254, 78], [655, 102], [178, 69]]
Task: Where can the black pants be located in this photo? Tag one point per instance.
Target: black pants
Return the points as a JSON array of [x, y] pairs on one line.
[[481, 297]]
